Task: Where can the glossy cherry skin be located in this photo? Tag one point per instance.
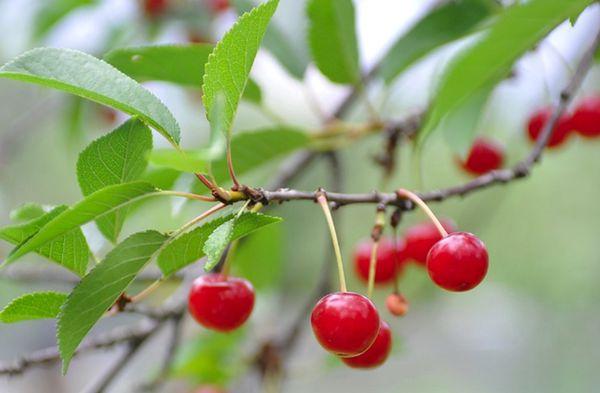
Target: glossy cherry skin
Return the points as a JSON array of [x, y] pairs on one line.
[[377, 353], [586, 118], [458, 262], [396, 304], [561, 131], [218, 5], [155, 8], [221, 303], [421, 237], [345, 323], [386, 266], [485, 155]]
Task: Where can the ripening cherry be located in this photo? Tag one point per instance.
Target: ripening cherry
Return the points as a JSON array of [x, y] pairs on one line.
[[485, 155], [155, 8], [421, 237], [345, 323], [458, 262], [561, 131], [386, 266], [586, 118], [220, 302], [218, 5], [396, 304], [377, 353]]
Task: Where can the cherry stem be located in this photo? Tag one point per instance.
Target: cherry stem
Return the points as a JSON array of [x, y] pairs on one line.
[[372, 265], [402, 193], [232, 175], [322, 200], [229, 257], [189, 195], [396, 260]]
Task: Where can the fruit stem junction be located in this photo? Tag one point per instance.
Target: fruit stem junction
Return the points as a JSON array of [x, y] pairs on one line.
[[322, 200], [402, 193]]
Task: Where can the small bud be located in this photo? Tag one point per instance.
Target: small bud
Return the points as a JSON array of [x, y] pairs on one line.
[[396, 304]]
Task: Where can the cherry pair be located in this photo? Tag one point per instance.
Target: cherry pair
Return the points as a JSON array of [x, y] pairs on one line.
[[347, 324], [585, 120]]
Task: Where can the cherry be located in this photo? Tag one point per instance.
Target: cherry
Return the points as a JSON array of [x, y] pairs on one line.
[[586, 118], [539, 119], [377, 353], [458, 262], [396, 304], [221, 302], [345, 323], [155, 8], [218, 5], [209, 389], [386, 265], [421, 237], [485, 155]]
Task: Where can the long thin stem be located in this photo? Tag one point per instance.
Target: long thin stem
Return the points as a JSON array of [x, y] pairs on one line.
[[372, 266], [189, 195], [232, 175], [419, 202], [322, 200]]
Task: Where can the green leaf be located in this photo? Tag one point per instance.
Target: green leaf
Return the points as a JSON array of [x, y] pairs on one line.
[[252, 92], [190, 247], [104, 201], [229, 64], [27, 211], [259, 257], [163, 178], [115, 158], [249, 149], [460, 126], [332, 39], [101, 287], [52, 12], [217, 242], [443, 25], [293, 59], [490, 59], [86, 76], [36, 305], [69, 249], [181, 64]]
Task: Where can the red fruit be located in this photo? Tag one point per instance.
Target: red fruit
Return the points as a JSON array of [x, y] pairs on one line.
[[458, 262], [421, 237], [396, 304], [539, 119], [345, 323], [155, 8], [377, 353], [209, 389], [221, 302], [586, 118], [218, 5], [386, 265], [485, 155]]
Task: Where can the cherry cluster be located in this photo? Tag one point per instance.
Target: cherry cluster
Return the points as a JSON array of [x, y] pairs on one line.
[[487, 154]]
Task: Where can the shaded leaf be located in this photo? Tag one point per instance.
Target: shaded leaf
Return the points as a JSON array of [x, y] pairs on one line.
[[332, 39], [86, 76], [190, 247], [101, 202], [101, 287], [52, 12], [36, 305], [115, 158], [229, 64], [217, 242], [443, 25], [259, 257], [490, 59], [69, 249], [27, 211]]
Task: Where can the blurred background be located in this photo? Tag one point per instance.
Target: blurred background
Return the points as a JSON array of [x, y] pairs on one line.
[[531, 326]]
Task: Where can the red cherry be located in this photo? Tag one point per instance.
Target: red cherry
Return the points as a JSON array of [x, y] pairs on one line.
[[458, 262], [421, 237], [218, 5], [345, 323], [377, 353], [586, 118], [221, 302], [485, 155], [539, 119], [396, 304], [386, 265], [209, 389], [155, 8]]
